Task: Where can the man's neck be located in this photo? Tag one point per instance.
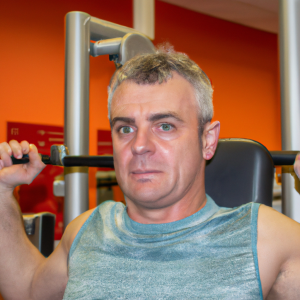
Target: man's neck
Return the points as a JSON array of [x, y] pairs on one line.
[[177, 211]]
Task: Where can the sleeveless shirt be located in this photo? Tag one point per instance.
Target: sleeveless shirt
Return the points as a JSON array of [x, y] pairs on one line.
[[211, 254]]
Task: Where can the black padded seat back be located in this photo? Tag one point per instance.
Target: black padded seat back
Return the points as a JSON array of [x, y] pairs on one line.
[[241, 171]]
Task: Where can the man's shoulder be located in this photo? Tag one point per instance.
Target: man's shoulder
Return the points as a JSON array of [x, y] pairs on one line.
[[275, 228], [75, 226], [248, 209]]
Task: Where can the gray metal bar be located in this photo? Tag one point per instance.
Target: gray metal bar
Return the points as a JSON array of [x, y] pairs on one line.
[[289, 39], [101, 30], [110, 46], [144, 17], [76, 111]]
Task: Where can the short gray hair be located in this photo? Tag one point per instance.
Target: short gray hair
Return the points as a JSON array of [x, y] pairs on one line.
[[158, 68]]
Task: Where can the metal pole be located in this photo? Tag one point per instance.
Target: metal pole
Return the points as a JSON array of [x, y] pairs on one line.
[[77, 67], [144, 17], [289, 41]]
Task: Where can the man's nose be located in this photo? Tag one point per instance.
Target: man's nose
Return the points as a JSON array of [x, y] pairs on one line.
[[142, 142]]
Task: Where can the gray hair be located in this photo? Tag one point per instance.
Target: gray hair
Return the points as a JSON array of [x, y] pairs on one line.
[[158, 68]]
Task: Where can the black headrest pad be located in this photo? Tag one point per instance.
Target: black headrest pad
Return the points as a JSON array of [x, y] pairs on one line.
[[241, 171]]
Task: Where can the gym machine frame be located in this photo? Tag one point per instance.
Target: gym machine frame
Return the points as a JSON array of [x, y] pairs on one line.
[[121, 43]]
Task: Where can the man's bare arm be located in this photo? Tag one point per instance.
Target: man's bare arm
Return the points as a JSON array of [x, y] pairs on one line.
[[24, 272], [51, 277], [20, 261], [278, 248]]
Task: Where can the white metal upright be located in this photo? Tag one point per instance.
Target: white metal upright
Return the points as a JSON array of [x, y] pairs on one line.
[[121, 43], [289, 41]]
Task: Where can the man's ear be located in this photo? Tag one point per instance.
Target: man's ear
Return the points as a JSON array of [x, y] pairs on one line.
[[210, 139]]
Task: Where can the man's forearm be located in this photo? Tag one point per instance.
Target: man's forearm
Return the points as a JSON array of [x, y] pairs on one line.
[[18, 257], [10, 215]]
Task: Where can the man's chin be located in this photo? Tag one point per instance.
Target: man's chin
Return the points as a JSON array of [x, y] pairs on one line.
[[147, 190]]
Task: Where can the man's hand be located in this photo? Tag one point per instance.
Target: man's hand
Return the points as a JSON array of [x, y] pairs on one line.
[[14, 175], [297, 165]]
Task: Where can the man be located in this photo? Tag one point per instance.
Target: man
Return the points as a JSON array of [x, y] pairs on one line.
[[171, 241]]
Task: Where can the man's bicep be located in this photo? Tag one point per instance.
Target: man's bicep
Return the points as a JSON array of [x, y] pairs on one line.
[[51, 277], [287, 285], [278, 252]]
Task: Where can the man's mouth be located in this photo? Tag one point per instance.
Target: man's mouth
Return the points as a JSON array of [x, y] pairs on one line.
[[140, 172], [144, 173]]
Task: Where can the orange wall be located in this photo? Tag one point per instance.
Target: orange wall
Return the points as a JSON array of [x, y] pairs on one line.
[[241, 62]]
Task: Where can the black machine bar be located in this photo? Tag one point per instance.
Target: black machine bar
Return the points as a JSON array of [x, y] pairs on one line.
[[283, 158], [89, 161], [280, 158]]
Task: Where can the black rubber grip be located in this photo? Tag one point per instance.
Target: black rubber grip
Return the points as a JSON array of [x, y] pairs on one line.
[[88, 161], [20, 161], [25, 159]]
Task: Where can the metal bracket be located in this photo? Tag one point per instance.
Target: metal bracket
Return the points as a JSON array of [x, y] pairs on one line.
[[57, 154], [123, 49]]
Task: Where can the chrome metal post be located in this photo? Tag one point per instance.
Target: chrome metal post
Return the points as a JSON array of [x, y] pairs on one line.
[[144, 17], [289, 41], [77, 65]]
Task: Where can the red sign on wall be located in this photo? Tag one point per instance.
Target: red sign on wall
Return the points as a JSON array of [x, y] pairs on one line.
[[104, 142], [43, 136]]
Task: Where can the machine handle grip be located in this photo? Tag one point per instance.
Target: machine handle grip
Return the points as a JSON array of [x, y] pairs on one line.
[[25, 159], [20, 161]]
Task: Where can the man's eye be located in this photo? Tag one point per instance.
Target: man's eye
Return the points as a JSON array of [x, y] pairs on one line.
[[126, 129], [166, 127]]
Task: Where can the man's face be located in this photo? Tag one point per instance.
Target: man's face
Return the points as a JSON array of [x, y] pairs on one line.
[[157, 153]]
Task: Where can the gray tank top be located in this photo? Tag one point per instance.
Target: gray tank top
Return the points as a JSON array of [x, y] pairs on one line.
[[211, 254]]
